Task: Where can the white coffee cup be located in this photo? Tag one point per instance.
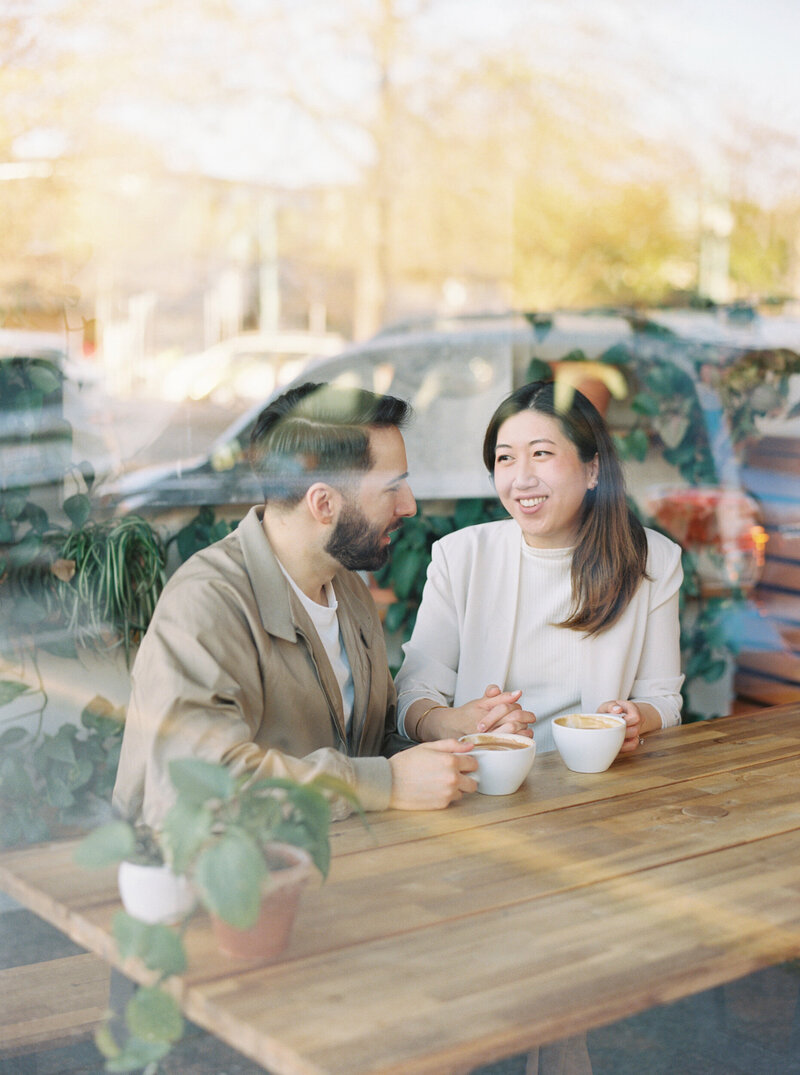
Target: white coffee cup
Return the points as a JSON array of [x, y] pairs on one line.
[[504, 760], [588, 742]]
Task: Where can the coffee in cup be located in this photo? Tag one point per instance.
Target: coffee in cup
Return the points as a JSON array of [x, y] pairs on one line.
[[504, 760]]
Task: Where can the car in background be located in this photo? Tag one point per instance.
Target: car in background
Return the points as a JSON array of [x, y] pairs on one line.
[[247, 367], [454, 372]]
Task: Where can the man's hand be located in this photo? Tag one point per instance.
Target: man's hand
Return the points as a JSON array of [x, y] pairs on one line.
[[496, 711], [432, 775]]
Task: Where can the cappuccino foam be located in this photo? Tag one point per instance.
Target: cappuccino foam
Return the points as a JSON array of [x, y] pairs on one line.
[[586, 720]]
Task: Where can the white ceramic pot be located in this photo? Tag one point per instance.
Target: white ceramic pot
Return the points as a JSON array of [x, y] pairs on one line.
[[154, 893]]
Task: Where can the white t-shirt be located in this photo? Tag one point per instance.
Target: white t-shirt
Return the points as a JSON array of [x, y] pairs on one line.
[[326, 622], [545, 660]]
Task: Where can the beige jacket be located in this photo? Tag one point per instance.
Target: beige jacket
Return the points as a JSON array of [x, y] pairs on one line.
[[231, 669]]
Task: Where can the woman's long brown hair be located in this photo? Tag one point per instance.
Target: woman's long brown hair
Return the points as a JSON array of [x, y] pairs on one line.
[[610, 557]]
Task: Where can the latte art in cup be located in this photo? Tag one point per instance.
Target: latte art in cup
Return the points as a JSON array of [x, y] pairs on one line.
[[488, 742], [587, 720]]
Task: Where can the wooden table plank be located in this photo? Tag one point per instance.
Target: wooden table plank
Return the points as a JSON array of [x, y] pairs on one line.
[[448, 938], [517, 976], [677, 754]]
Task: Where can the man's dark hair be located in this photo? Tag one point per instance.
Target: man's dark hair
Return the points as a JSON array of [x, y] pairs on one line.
[[318, 432]]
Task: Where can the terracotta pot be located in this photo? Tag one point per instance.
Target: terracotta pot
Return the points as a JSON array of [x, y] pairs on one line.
[[595, 389], [154, 893], [290, 869]]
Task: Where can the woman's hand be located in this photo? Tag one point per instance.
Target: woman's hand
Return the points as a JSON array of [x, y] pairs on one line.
[[496, 711], [639, 719], [633, 720]]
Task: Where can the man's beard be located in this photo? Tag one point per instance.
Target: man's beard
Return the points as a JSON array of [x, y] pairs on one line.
[[355, 544]]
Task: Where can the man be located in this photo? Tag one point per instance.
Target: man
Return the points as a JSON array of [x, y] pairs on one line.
[[265, 650]]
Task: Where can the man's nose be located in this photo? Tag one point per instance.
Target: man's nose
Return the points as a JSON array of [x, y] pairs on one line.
[[406, 504]]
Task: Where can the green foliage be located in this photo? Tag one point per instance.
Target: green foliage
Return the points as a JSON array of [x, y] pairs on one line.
[[91, 583], [667, 373], [406, 570], [199, 532], [218, 817], [119, 576], [48, 782], [158, 946]]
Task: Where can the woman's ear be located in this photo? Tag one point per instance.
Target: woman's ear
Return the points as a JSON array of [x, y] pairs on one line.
[[594, 473], [323, 502]]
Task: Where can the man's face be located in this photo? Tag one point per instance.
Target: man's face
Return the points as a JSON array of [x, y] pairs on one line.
[[361, 536]]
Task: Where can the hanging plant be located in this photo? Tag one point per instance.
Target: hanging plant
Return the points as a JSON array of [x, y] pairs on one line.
[[109, 578]]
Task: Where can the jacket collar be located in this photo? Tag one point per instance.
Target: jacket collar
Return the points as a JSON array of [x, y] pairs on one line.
[[281, 613]]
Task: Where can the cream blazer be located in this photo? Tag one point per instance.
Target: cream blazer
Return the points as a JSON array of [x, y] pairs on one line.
[[463, 636]]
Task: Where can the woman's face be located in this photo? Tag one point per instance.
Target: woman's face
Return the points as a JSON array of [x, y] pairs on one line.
[[540, 479]]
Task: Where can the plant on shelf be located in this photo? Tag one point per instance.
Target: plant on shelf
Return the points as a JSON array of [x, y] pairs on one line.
[[50, 784], [235, 839], [89, 582]]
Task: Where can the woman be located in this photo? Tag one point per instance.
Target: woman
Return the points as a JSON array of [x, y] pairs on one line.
[[571, 602]]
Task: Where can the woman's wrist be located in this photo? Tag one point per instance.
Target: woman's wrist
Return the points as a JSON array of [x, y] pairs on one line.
[[423, 719]]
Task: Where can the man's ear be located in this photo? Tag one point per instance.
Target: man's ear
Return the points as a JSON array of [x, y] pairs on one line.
[[323, 502]]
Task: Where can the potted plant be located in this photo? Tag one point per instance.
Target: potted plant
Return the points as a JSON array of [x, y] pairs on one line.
[[149, 888], [246, 846], [249, 846]]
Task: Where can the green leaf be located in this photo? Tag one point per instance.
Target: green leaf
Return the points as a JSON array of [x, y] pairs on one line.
[[154, 1016], [45, 378], [229, 877], [11, 735], [59, 747], [128, 933], [15, 783], [715, 671], [9, 690], [106, 846], [644, 403], [106, 1042], [159, 947], [538, 370], [14, 502], [59, 794], [187, 826], [25, 551], [199, 780], [77, 509], [396, 616], [37, 517], [637, 444], [409, 572]]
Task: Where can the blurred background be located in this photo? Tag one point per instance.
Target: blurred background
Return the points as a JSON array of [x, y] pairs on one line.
[[201, 202]]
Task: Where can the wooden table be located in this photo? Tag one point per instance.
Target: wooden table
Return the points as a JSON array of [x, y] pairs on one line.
[[448, 939]]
